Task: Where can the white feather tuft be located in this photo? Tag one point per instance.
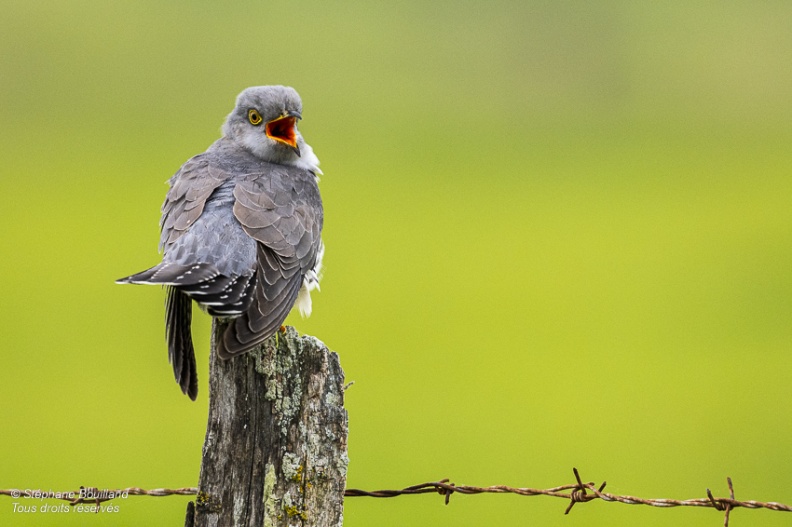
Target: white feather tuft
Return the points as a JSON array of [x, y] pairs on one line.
[[310, 282]]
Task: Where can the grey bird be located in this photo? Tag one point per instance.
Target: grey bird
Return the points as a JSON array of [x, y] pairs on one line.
[[241, 231]]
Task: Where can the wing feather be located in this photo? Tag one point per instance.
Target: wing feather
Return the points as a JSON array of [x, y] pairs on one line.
[[280, 209], [166, 273], [189, 189]]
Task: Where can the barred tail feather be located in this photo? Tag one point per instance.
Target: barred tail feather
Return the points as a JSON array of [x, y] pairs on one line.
[[178, 318]]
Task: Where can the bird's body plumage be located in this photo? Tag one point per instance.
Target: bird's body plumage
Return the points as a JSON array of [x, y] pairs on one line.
[[241, 232]]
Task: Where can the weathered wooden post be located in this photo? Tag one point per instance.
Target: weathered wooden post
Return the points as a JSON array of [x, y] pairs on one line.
[[275, 452]]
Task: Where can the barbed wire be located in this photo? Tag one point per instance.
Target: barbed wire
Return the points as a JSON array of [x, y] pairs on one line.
[[578, 492]]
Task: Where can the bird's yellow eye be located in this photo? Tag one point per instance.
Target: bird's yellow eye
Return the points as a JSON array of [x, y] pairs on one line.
[[254, 117]]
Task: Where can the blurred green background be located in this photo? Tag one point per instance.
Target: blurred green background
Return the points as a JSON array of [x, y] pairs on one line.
[[558, 234]]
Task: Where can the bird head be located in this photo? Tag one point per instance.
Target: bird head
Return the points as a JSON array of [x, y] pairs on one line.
[[264, 122]]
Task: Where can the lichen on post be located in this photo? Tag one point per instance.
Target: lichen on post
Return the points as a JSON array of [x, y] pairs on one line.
[[275, 452]]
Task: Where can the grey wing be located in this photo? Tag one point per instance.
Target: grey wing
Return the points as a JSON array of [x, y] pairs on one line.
[[282, 211], [189, 189]]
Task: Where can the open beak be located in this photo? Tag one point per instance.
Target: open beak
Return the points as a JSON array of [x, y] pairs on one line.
[[283, 129]]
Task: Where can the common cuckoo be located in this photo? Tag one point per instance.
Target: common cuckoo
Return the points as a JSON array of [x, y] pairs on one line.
[[241, 230]]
